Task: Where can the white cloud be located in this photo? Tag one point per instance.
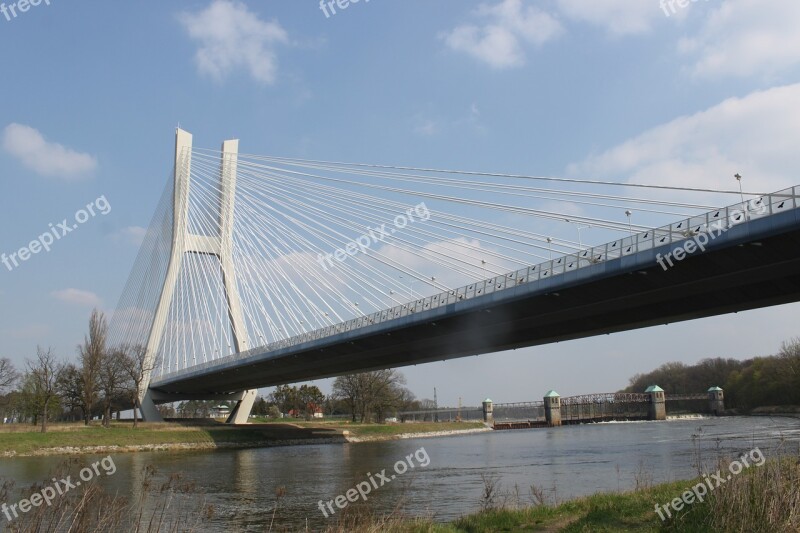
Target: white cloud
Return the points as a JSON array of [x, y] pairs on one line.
[[30, 147], [618, 17], [505, 28], [426, 127], [78, 297], [231, 37], [754, 135], [132, 234], [746, 38]]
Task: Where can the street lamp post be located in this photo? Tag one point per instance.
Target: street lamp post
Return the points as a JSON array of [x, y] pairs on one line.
[[578, 228], [628, 213], [741, 194]]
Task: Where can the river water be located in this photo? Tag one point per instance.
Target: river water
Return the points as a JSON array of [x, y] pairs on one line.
[[447, 477]]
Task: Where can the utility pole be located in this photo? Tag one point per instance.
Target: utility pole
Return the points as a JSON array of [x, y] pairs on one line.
[[435, 406]]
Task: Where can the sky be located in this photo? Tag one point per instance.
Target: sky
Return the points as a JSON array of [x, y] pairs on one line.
[[620, 90]]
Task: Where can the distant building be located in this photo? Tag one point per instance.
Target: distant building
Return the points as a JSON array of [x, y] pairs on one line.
[[220, 411], [315, 410]]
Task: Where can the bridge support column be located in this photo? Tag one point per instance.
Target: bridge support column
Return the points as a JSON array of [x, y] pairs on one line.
[[552, 408], [241, 412], [658, 406], [147, 408], [716, 401], [488, 413]]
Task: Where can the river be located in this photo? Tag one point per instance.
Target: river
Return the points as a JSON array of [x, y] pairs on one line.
[[447, 477]]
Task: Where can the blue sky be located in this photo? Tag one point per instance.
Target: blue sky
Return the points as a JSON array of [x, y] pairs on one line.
[[608, 89]]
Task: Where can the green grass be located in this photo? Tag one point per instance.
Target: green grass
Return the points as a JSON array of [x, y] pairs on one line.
[[28, 439], [760, 500], [600, 513], [26, 442], [630, 511], [603, 513]]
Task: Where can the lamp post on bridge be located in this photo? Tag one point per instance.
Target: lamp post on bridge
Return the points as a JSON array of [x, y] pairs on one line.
[[578, 228], [628, 214], [410, 287], [741, 194]]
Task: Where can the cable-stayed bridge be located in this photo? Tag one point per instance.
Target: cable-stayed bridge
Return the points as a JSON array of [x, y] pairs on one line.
[[260, 270]]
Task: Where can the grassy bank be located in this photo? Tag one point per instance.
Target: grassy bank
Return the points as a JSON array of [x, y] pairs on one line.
[[760, 500], [77, 438]]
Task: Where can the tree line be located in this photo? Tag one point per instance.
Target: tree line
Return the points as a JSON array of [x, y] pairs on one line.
[[364, 397], [758, 382], [103, 380]]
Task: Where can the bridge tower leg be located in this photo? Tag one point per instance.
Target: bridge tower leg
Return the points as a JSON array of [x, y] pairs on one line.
[[182, 243]]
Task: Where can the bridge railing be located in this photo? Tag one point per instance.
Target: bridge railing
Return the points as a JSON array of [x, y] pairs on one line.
[[445, 414], [611, 397], [685, 397], [531, 411], [719, 220]]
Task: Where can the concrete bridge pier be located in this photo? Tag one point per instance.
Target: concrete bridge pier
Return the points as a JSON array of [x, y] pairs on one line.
[[552, 408], [716, 400], [658, 408]]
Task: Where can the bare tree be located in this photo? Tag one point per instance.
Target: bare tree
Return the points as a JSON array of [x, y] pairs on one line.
[[91, 353], [8, 374], [135, 368], [370, 392], [44, 373], [70, 388], [113, 380], [351, 389], [386, 391]]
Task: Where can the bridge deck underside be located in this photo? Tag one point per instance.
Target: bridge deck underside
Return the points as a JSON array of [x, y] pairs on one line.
[[751, 266]]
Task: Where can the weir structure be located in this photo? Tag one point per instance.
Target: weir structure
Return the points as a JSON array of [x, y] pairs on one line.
[[184, 242], [556, 411]]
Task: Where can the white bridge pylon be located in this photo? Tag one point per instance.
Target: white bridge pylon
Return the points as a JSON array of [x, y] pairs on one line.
[[219, 246]]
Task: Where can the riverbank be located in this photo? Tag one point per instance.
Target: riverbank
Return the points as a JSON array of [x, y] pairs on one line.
[[76, 439], [759, 500]]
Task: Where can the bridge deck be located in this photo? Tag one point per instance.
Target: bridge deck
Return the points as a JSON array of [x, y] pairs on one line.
[[602, 290]]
